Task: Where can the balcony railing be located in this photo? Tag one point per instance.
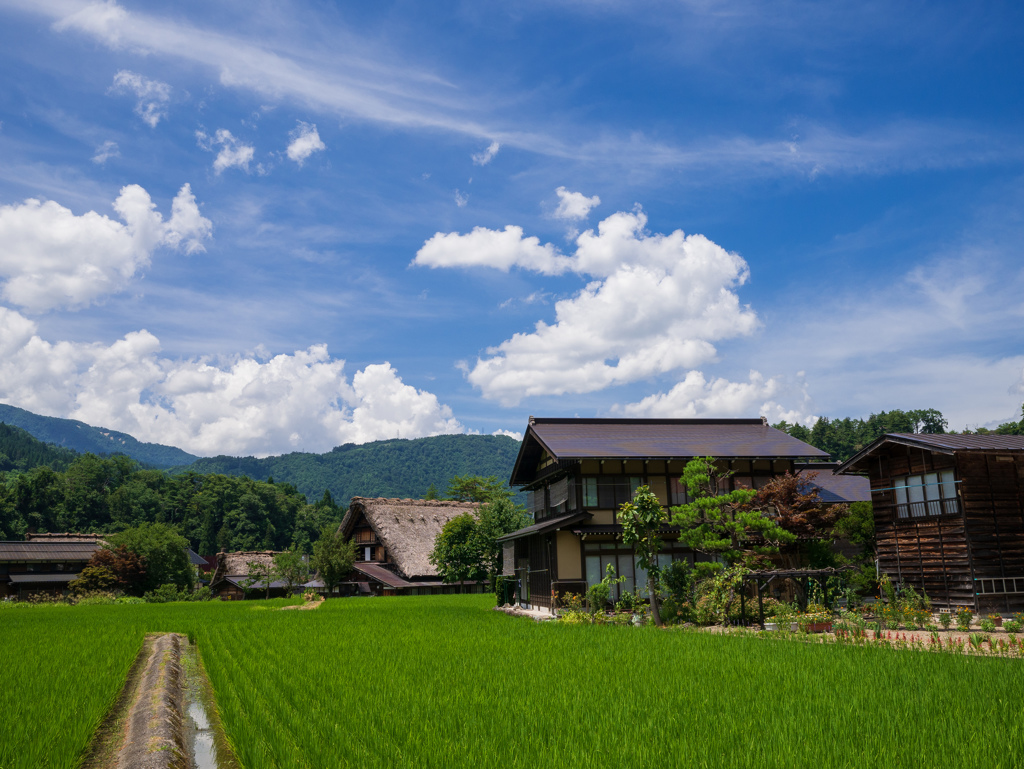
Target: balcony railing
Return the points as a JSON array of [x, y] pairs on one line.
[[928, 509]]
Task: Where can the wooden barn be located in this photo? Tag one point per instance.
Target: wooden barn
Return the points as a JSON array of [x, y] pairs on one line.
[[394, 538], [232, 573], [949, 515], [577, 472], [44, 563]]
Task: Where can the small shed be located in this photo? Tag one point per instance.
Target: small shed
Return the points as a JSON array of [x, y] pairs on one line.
[[232, 572], [949, 515]]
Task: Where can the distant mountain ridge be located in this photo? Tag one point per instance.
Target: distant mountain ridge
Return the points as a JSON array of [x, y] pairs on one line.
[[72, 434], [390, 468]]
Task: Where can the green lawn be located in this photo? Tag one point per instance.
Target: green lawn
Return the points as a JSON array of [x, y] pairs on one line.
[[442, 681]]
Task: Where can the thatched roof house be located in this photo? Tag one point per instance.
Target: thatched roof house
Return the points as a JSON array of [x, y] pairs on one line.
[[228, 581], [394, 538]]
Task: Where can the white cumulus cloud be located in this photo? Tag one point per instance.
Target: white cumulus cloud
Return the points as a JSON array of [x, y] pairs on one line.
[[574, 206], [695, 396], [238, 406], [49, 257], [657, 303], [233, 153], [501, 249], [305, 140], [487, 155], [153, 96]]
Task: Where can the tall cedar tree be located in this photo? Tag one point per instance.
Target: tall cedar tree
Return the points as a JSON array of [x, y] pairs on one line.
[[641, 519]]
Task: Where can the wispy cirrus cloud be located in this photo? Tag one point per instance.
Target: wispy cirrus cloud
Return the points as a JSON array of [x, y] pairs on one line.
[[367, 86]]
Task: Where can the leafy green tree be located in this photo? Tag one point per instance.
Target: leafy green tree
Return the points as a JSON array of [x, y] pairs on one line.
[[474, 488], [93, 579], [162, 549], [457, 552], [718, 522], [333, 557], [641, 520], [496, 519], [259, 571], [291, 568], [431, 492]]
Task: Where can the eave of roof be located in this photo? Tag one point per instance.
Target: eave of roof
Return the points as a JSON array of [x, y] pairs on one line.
[[940, 443], [549, 524], [32, 578]]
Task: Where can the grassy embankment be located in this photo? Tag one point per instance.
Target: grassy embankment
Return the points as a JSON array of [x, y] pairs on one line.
[[441, 681]]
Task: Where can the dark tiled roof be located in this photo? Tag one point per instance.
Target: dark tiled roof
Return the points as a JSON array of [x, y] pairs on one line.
[[31, 578], [47, 551], [942, 443], [834, 488], [655, 439]]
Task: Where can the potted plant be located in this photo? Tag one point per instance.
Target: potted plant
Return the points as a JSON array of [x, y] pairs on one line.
[[997, 619], [817, 619]]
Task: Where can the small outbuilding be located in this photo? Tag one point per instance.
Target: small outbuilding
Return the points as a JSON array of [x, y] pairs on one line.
[[231, 576], [949, 515]]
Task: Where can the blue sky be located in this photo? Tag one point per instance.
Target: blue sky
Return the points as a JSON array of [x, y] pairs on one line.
[[262, 227]]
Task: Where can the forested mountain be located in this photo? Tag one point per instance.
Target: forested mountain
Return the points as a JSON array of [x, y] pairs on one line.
[[393, 468], [72, 434], [20, 451], [107, 495]]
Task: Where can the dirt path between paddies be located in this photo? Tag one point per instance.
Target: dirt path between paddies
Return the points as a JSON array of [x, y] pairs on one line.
[[305, 606]]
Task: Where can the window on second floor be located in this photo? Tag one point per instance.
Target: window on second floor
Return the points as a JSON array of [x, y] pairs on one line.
[[926, 494]]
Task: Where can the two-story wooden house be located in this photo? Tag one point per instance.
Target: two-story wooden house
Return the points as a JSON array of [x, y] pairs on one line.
[[949, 515], [577, 472]]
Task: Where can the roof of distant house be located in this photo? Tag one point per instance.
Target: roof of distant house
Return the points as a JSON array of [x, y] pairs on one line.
[[834, 488], [47, 551]]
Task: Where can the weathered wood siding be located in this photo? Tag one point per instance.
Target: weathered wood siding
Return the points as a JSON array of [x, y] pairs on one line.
[[946, 555], [993, 499], [931, 554]]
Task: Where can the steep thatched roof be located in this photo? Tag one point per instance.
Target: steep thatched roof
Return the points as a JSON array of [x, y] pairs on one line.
[[237, 564], [406, 527], [66, 537]]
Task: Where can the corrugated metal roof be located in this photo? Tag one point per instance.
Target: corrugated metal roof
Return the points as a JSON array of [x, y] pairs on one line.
[[834, 488], [47, 551], [31, 578]]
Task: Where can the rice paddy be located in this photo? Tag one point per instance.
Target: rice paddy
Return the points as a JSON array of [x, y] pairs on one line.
[[441, 681]]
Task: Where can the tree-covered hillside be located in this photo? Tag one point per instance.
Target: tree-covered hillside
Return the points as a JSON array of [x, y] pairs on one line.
[[72, 434], [20, 451], [394, 468], [842, 438], [108, 495]]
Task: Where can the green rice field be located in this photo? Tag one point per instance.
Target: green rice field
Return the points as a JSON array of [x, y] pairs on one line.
[[442, 681]]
